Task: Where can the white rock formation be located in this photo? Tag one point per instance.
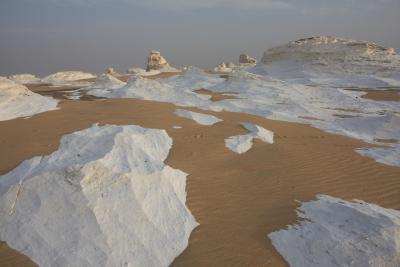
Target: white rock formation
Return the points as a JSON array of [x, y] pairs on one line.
[[230, 65], [203, 119], [243, 143], [333, 61], [192, 79], [157, 62], [246, 59], [146, 89], [107, 81], [104, 198], [224, 67], [334, 232], [67, 76], [17, 101], [142, 72], [112, 72], [24, 78]]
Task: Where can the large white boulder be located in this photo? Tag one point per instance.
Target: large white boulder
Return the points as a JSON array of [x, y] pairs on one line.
[[104, 198]]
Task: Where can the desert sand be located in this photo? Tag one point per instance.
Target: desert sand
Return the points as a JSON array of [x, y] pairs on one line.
[[383, 95], [237, 199]]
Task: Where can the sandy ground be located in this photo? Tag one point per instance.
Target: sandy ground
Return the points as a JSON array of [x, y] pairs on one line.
[[237, 199], [216, 96], [390, 94], [387, 95]]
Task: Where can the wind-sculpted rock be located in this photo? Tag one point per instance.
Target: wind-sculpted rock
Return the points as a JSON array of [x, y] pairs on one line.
[[158, 62], [224, 67], [111, 71], [246, 59]]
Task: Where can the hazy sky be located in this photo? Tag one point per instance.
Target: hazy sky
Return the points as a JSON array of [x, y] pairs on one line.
[[43, 36]]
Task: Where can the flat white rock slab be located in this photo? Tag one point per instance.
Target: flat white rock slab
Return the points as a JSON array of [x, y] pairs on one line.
[[104, 198], [334, 232], [200, 118], [243, 143]]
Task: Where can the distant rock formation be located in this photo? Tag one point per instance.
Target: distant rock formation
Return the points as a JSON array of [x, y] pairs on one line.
[[246, 59], [67, 76], [112, 72], [157, 62], [24, 78], [142, 72], [224, 67], [230, 65]]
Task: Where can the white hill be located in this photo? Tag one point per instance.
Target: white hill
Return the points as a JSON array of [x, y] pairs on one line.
[[332, 61]]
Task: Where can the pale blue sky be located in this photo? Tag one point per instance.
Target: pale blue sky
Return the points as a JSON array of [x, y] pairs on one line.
[[43, 36]]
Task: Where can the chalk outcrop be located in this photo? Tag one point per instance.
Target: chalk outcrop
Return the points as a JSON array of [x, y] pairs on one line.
[[16, 101], [246, 59], [158, 62], [107, 81], [334, 232], [111, 71], [67, 77], [104, 198], [333, 61], [24, 78], [225, 67], [142, 72]]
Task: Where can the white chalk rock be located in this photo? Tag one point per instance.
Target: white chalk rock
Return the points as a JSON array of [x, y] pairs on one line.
[[104, 198], [224, 67], [157, 62], [67, 76], [146, 89], [332, 61], [24, 78], [246, 59], [334, 232], [203, 119], [239, 143], [142, 72], [17, 100], [243, 143], [107, 81]]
